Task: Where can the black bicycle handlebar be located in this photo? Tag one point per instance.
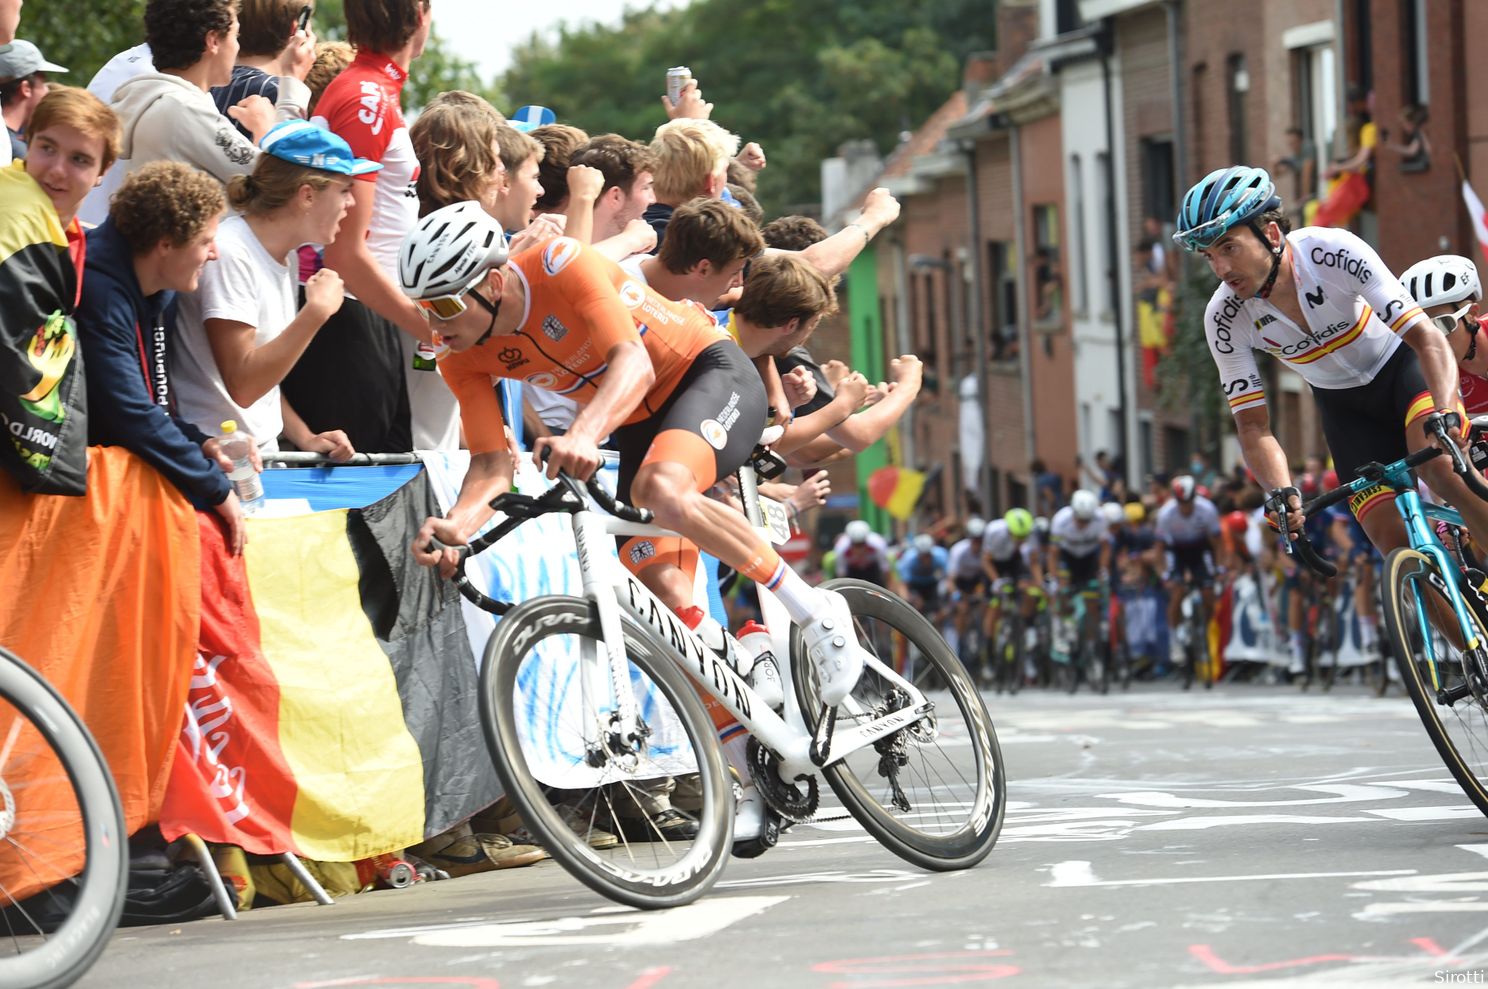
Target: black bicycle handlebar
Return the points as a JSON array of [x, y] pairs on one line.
[[1437, 426]]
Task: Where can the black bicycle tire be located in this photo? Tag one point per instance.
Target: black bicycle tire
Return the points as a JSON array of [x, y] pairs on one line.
[[932, 852], [73, 948], [504, 652], [1421, 694]]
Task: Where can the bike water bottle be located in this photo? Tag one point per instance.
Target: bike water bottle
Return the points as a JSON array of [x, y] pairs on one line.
[[244, 476], [764, 673], [716, 639]]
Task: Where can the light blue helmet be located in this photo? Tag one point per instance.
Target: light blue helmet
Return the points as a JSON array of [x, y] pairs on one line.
[[1222, 200]]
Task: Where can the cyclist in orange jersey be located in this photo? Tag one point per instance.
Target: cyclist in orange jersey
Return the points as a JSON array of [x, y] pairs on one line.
[[684, 403]]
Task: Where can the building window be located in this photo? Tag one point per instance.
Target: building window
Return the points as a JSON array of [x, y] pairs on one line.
[[1080, 259], [1417, 65], [1067, 16], [1237, 80], [1003, 285], [1048, 268], [1159, 186], [1105, 224]]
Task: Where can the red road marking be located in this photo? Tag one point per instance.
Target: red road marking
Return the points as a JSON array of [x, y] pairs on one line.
[[651, 977], [934, 969], [1433, 949], [467, 981], [1219, 966]]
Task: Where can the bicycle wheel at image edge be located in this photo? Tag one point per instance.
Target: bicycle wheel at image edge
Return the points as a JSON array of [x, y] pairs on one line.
[[954, 811], [1459, 731], [96, 895], [645, 870]]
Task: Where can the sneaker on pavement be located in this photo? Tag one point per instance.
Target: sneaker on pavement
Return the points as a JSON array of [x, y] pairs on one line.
[[462, 852], [833, 648]]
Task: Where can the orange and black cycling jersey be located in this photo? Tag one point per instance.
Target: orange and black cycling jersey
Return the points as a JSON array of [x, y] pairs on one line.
[[580, 305]]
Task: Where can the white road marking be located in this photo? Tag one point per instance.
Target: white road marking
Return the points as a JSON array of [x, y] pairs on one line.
[[1079, 873]]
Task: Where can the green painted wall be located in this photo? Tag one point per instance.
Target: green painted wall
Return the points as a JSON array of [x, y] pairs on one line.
[[868, 357]]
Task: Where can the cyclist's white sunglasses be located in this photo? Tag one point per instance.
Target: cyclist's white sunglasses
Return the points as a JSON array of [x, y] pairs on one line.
[[1447, 322]]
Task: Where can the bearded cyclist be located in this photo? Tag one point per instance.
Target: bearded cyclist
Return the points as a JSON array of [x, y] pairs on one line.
[[1322, 301]]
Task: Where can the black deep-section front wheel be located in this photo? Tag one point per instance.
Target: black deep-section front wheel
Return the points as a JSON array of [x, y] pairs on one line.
[[1427, 642], [58, 805], [574, 791], [934, 793]]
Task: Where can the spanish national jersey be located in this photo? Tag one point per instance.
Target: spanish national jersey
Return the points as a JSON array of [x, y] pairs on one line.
[[1354, 308], [580, 305]]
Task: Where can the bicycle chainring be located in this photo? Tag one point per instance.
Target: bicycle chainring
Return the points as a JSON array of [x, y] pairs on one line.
[[795, 802]]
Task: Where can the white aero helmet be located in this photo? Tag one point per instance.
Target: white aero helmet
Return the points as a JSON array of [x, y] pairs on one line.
[[1114, 513], [1447, 279], [1084, 504], [924, 542], [449, 251], [975, 527], [857, 531]]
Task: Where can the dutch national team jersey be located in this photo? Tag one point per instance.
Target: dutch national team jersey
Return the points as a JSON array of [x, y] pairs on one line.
[[1179, 531], [1071, 537], [1355, 312], [579, 306], [362, 106]]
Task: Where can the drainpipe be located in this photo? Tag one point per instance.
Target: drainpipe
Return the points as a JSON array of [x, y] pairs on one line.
[[1025, 322], [978, 323], [1175, 86], [902, 338], [1118, 308]]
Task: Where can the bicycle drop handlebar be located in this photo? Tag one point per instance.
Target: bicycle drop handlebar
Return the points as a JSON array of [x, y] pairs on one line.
[[1437, 426], [564, 496]]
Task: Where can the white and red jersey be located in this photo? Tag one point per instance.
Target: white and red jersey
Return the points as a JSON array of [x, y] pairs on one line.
[[869, 556], [1353, 307], [362, 105], [1474, 392], [1179, 531]]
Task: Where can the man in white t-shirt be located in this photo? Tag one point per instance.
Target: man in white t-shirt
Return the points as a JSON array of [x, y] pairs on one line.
[[126, 65], [240, 332]]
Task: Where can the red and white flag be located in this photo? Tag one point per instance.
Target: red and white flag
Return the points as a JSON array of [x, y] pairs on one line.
[[1479, 217]]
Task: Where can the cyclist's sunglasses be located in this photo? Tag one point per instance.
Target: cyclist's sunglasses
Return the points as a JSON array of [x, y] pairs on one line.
[[1447, 322], [445, 307]]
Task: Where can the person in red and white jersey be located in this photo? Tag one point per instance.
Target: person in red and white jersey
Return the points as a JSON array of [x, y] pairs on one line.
[[1447, 288], [352, 376]]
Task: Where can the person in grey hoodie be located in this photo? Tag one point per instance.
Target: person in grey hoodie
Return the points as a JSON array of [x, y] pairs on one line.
[[169, 114]]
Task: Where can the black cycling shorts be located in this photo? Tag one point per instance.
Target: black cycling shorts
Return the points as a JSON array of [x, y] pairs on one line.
[[1082, 569], [720, 400], [1369, 422], [970, 585], [1013, 568], [1186, 561]]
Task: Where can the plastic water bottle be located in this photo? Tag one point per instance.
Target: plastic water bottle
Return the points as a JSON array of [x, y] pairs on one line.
[[244, 476], [764, 673]]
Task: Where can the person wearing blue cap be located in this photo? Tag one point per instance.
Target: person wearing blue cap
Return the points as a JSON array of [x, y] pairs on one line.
[[239, 333]]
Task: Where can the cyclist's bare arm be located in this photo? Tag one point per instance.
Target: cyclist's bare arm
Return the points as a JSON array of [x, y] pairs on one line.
[[489, 475], [1263, 453], [1437, 363]]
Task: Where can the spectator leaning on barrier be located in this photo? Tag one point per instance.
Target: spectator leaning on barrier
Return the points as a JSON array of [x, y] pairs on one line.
[[24, 74], [356, 374], [74, 139], [168, 114], [158, 237], [239, 334], [269, 46]]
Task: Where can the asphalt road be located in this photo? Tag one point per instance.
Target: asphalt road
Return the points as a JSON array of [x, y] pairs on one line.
[[1252, 836]]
